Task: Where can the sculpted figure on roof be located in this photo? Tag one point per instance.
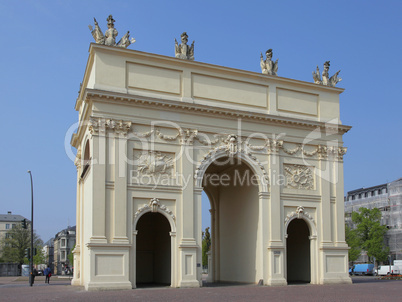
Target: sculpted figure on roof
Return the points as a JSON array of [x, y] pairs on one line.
[[326, 80], [268, 66], [109, 38], [183, 51]]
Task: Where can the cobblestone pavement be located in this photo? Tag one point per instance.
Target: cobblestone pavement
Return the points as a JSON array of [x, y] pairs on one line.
[[363, 289]]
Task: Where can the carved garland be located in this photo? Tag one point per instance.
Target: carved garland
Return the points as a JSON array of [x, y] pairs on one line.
[[97, 125], [153, 206], [299, 214]]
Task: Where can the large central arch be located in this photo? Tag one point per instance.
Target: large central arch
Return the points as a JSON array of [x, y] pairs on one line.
[[232, 186]]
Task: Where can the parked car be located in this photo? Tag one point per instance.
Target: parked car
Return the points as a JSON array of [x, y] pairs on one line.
[[362, 269]]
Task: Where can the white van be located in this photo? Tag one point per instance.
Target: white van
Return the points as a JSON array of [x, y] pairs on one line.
[[383, 270]]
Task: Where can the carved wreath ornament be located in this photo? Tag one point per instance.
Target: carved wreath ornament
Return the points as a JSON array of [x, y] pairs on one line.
[[154, 206]]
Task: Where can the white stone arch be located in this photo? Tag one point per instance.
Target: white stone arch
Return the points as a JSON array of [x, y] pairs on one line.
[[155, 206], [254, 165], [250, 160], [300, 213]]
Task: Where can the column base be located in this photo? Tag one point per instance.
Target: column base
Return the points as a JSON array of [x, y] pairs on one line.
[[340, 280], [76, 282], [189, 283], [97, 286], [277, 282]]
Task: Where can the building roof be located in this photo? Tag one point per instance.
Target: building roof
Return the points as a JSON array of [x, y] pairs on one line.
[[65, 232], [11, 218]]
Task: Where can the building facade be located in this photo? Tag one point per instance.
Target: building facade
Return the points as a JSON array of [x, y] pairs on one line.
[[63, 244], [48, 253], [388, 199], [9, 221], [155, 132]]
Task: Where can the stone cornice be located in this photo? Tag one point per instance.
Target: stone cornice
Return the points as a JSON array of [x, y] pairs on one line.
[[106, 96]]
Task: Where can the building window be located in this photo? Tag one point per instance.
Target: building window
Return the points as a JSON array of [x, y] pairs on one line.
[[63, 242], [13, 226], [7, 235], [7, 226], [63, 255]]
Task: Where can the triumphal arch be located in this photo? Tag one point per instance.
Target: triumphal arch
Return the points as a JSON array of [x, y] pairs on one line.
[[156, 131]]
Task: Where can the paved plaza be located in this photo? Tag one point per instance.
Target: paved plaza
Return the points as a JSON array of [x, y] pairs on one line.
[[363, 289]]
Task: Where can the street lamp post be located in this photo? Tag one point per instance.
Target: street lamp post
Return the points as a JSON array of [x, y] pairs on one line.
[[32, 250]]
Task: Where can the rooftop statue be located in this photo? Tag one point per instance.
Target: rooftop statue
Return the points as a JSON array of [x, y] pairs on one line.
[[110, 35], [326, 80], [183, 51], [268, 66]]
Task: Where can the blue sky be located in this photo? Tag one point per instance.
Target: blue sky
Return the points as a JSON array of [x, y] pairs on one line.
[[45, 46]]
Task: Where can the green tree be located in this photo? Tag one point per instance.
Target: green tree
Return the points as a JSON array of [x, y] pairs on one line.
[[39, 258], [353, 241], [371, 233], [71, 257], [206, 246], [15, 243]]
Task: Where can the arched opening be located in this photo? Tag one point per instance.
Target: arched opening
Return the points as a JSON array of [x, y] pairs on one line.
[[87, 154], [298, 252], [232, 189], [153, 250]]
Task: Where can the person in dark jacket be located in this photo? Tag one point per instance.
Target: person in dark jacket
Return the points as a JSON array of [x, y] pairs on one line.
[[48, 274]]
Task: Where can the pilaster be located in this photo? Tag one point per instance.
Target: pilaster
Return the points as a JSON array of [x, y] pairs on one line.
[[120, 216], [98, 171]]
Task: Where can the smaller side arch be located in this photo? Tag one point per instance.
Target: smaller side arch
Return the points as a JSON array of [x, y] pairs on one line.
[[155, 206], [300, 213]]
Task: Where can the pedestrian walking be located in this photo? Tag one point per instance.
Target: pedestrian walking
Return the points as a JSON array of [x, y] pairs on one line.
[[48, 274]]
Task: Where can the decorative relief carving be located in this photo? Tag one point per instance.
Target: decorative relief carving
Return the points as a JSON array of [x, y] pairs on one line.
[[99, 125], [232, 145], [299, 177], [231, 142], [77, 161], [300, 213], [154, 162], [154, 206], [119, 127]]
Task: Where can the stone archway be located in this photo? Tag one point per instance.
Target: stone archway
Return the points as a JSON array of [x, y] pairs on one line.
[[154, 240], [301, 245], [298, 252], [153, 250], [234, 198]]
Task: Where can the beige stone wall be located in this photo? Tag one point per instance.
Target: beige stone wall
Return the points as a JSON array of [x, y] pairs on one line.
[[156, 126]]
